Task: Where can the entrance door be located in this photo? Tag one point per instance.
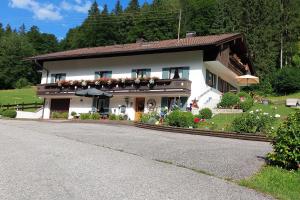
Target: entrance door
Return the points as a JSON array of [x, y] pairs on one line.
[[59, 105], [139, 107]]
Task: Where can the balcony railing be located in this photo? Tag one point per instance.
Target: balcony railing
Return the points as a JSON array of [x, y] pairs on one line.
[[159, 87]]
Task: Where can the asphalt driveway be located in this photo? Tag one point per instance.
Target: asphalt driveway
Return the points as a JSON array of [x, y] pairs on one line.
[[41, 160]]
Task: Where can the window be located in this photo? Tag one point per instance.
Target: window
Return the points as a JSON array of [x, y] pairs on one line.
[[224, 86], [140, 73], [103, 74], [175, 73], [171, 102], [101, 105], [211, 79], [58, 77]]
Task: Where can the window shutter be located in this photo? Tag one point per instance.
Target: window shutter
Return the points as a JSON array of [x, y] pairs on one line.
[[133, 73], [148, 72], [185, 72], [183, 101], [164, 102], [165, 73], [52, 78]]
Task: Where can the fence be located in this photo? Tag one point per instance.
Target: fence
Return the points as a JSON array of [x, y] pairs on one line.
[[22, 106]]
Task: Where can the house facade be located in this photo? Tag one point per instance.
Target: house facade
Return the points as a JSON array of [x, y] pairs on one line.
[[144, 76]]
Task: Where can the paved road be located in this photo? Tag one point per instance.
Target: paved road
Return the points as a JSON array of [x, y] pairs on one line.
[[41, 160]]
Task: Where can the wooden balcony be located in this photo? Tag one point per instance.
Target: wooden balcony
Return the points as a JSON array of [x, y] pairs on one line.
[[161, 87]]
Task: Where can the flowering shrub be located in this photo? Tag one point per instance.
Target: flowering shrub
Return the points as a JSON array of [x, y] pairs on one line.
[[246, 101], [253, 122], [286, 143], [205, 113], [196, 120]]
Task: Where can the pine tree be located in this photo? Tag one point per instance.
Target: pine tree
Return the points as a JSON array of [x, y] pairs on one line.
[[118, 8]]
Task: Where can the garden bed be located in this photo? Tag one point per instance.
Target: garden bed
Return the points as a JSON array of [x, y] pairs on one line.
[[223, 134]]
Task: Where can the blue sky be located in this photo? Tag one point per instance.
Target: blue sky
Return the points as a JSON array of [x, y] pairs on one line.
[[51, 16]]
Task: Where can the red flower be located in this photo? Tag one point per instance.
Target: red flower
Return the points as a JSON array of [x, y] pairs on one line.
[[196, 120]]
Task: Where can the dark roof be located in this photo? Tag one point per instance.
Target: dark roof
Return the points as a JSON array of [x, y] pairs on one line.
[[166, 45]]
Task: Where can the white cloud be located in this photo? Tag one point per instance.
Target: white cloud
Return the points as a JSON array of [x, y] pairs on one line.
[[45, 11], [49, 11], [77, 6], [83, 8]]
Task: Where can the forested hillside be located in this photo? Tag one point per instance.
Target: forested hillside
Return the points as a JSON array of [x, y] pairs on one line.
[[271, 27]]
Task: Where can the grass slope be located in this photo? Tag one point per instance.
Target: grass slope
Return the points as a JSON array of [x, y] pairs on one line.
[[17, 96], [277, 182]]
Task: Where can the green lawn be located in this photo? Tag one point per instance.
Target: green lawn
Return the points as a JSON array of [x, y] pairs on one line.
[[281, 99], [17, 96], [223, 121], [277, 182]]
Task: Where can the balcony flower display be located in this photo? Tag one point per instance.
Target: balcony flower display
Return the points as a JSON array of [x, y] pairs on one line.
[[83, 83], [151, 81], [137, 81]]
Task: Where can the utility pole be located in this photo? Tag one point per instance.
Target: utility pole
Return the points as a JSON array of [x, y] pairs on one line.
[[179, 25], [281, 34]]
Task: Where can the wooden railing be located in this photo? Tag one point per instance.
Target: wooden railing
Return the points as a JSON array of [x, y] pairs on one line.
[[22, 106], [176, 86]]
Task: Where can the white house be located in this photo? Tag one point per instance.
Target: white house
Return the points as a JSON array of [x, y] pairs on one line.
[[193, 69]]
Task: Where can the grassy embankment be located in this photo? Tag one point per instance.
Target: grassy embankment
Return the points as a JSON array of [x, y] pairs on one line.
[[19, 96], [280, 183]]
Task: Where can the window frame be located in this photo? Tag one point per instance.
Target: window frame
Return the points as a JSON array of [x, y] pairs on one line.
[[56, 77], [101, 73], [213, 80], [146, 72]]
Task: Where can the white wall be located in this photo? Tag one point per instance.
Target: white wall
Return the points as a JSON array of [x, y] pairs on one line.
[[121, 67]]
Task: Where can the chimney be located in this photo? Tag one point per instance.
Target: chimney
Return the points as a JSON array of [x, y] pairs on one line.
[[191, 34]]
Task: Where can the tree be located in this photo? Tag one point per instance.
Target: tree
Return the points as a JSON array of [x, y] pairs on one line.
[[118, 8], [42, 42], [13, 49]]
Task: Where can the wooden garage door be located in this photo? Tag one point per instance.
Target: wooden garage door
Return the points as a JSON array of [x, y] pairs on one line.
[[60, 105]]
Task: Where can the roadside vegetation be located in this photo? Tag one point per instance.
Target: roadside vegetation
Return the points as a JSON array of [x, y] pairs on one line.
[[280, 183]]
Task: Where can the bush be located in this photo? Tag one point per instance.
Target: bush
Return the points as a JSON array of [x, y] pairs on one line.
[[253, 122], [21, 83], [113, 117], [247, 103], [9, 113], [180, 119], [229, 100], [286, 143], [150, 118], [85, 116], [287, 80], [94, 116], [60, 115], [1, 111], [205, 113], [73, 113]]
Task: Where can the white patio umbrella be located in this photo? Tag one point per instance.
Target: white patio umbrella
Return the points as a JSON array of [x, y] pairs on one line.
[[247, 80]]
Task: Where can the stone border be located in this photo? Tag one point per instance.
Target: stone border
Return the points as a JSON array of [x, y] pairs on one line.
[[223, 134]]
